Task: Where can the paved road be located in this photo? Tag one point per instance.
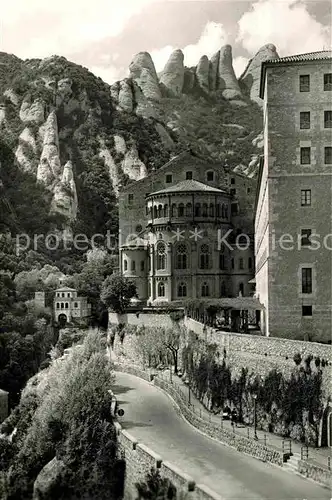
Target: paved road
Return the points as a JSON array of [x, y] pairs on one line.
[[150, 416]]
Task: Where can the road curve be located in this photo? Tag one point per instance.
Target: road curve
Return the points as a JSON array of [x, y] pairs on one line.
[[151, 417]]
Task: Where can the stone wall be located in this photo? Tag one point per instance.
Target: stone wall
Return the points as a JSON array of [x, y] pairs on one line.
[[262, 354], [140, 460], [237, 441], [314, 471], [141, 319]]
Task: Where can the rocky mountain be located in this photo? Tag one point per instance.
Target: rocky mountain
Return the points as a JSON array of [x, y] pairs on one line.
[[79, 139]]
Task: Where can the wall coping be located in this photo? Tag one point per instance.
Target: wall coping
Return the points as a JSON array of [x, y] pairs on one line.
[[208, 491], [183, 475]]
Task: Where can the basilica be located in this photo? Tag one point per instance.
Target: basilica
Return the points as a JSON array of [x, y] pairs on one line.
[[186, 232]]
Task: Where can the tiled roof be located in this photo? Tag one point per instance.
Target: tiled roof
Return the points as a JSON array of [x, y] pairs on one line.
[[65, 289], [310, 56], [322, 55], [188, 185]]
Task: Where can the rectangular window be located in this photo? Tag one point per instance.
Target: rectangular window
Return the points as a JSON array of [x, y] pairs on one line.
[[304, 83], [232, 180], [142, 265], [222, 262], [233, 192], [306, 310], [328, 119], [305, 156], [189, 176], [328, 81], [305, 119], [130, 198], [328, 155], [241, 263], [305, 197], [305, 237], [169, 178], [210, 176], [306, 280], [133, 265]]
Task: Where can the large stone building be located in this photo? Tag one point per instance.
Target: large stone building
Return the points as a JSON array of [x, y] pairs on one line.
[[294, 271], [171, 228]]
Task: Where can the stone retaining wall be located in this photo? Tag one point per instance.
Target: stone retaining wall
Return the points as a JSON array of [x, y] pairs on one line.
[[140, 460], [237, 441], [313, 471], [262, 354]]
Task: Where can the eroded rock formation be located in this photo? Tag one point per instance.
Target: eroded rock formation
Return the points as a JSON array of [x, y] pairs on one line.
[[227, 80], [172, 76], [251, 76]]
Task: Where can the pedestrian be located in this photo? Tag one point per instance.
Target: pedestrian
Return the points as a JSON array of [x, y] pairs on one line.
[[234, 417]]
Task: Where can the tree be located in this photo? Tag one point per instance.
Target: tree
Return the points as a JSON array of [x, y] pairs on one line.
[[171, 340], [156, 487], [117, 291]]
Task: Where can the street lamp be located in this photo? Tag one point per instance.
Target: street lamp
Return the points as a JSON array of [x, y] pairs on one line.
[[255, 417]]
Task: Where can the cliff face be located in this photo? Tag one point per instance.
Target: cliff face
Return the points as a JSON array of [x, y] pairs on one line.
[[81, 139]]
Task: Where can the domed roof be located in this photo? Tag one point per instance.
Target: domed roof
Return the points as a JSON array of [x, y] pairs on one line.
[[189, 186]]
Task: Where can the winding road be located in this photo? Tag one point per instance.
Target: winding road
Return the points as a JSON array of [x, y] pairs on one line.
[[150, 416]]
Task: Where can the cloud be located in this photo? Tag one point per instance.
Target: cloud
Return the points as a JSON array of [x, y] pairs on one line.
[[109, 74], [239, 65], [211, 39], [287, 24], [62, 27]]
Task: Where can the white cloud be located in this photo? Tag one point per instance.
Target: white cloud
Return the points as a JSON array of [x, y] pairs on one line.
[[62, 27], [239, 65], [109, 74], [287, 24], [211, 39]]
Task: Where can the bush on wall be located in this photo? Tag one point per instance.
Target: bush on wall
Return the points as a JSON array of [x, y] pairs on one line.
[[291, 407]]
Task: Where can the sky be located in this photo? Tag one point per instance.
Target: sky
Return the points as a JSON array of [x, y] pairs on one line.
[[104, 35]]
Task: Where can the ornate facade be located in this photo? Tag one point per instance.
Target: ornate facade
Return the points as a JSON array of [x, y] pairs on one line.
[[172, 225]]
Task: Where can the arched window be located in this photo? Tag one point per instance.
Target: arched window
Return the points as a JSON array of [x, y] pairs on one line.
[[204, 259], [205, 210], [63, 294], [57, 305], [173, 211], [197, 210], [160, 210], [241, 289], [232, 262], [226, 212], [166, 210], [223, 211], [155, 212], [211, 210], [161, 289], [66, 305], [181, 256], [161, 256], [62, 305], [182, 290], [125, 265], [133, 265], [250, 263], [205, 290], [218, 209], [240, 263], [142, 265], [188, 210], [181, 210]]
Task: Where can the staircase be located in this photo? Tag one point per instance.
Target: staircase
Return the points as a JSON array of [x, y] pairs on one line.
[[292, 463]]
